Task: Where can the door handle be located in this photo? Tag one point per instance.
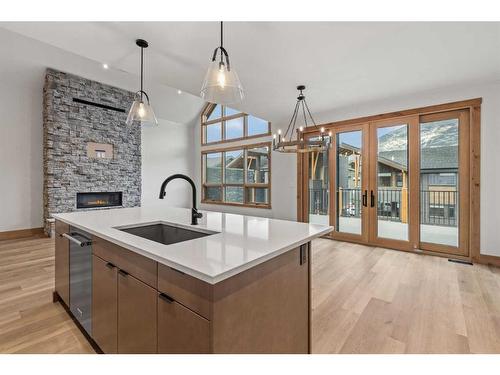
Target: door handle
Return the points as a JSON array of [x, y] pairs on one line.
[[372, 199], [365, 198]]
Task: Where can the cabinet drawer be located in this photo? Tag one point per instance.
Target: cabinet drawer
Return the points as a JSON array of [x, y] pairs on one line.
[[140, 267], [61, 227], [180, 330], [187, 290]]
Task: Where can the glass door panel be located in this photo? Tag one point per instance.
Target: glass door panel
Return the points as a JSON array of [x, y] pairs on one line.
[[319, 188], [392, 182], [439, 182], [348, 181]]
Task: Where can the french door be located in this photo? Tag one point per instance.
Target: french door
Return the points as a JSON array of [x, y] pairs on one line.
[[393, 187], [400, 183], [350, 183]]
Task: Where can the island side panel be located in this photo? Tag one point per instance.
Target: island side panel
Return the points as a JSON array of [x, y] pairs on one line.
[[61, 273], [265, 309]]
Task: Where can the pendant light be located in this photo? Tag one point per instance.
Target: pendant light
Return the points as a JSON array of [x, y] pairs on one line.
[[221, 84], [142, 111], [293, 140]]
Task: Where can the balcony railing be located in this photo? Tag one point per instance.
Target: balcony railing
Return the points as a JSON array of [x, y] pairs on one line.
[[436, 207], [439, 207]]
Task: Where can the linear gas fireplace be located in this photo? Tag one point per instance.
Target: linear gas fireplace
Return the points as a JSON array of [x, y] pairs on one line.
[[93, 200]]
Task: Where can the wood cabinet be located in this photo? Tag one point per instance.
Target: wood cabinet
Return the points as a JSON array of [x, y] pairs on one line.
[[139, 266], [62, 262], [191, 292], [180, 330], [137, 315], [264, 309], [140, 306], [105, 305]]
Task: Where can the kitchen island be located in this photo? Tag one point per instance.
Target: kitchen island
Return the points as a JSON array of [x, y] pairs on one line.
[[143, 280]]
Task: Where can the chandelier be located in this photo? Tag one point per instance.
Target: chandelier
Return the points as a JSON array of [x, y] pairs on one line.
[[293, 139]]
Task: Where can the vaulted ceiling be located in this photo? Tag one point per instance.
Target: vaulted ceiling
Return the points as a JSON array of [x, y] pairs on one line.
[[342, 64]]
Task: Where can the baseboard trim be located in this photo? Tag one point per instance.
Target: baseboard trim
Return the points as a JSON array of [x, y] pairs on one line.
[[21, 233], [489, 259]]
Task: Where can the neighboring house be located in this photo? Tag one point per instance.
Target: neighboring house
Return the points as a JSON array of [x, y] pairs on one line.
[[438, 177]]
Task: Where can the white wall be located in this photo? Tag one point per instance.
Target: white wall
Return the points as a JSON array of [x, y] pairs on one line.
[[20, 151], [166, 150], [22, 69]]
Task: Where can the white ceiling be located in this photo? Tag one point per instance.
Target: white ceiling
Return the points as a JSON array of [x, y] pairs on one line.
[[342, 64]]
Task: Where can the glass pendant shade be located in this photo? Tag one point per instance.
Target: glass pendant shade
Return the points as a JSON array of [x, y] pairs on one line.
[[143, 112], [221, 86]]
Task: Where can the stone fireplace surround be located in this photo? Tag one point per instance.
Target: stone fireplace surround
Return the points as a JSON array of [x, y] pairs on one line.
[[97, 116]]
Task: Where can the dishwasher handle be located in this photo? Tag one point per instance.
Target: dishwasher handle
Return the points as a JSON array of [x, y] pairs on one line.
[[70, 236]]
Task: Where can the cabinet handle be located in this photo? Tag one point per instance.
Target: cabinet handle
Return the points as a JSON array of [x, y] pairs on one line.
[[372, 199], [123, 273], [166, 298], [303, 254], [110, 265], [365, 198]]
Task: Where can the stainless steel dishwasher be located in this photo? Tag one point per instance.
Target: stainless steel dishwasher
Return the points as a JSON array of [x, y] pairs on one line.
[[80, 276]]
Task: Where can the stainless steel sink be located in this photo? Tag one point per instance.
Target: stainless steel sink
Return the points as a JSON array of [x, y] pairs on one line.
[[164, 233]]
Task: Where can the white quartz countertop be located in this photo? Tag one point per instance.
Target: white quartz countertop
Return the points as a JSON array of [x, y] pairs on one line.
[[239, 243]]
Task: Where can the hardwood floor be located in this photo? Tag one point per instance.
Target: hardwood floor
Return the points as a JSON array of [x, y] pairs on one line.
[[365, 300], [373, 300], [29, 321]]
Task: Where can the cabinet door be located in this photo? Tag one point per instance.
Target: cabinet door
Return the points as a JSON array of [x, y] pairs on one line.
[[181, 330], [104, 305], [62, 268], [137, 314]]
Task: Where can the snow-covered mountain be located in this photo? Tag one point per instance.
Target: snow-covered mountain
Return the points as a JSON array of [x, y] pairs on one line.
[[440, 134]]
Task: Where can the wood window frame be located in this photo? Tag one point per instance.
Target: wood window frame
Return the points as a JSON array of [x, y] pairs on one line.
[[245, 185], [222, 120], [473, 108]]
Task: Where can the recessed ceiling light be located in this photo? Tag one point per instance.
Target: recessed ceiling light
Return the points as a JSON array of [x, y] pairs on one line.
[[179, 92], [105, 66]]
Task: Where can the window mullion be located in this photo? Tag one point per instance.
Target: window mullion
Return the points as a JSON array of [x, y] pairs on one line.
[[245, 173], [223, 188]]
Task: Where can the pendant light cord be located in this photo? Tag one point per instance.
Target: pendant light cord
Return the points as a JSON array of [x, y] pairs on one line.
[[221, 41], [142, 71]]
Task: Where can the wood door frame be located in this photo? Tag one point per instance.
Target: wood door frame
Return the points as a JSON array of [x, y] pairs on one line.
[[464, 182], [332, 160], [473, 106], [412, 125]]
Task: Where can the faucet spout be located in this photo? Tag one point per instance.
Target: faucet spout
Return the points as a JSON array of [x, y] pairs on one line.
[[195, 215]]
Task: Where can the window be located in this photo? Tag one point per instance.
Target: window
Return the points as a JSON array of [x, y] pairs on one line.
[[238, 176], [223, 124]]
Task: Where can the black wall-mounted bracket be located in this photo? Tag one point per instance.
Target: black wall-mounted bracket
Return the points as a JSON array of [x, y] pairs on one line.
[[99, 105]]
